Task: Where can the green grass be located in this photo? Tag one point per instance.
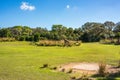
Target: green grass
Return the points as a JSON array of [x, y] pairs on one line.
[[21, 61]]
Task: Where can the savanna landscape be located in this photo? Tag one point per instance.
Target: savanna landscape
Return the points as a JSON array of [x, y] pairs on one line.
[[73, 48]]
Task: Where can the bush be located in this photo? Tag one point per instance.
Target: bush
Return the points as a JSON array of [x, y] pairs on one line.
[[78, 43], [106, 41], [49, 43], [70, 71], [45, 66], [102, 69], [54, 68], [73, 78], [36, 37], [63, 70], [22, 38], [60, 43], [7, 39]]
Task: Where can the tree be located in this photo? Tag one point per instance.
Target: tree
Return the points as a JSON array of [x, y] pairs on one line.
[[27, 31], [42, 31], [16, 32], [77, 32], [117, 32], [59, 32], [92, 31], [36, 37], [109, 26], [5, 32]]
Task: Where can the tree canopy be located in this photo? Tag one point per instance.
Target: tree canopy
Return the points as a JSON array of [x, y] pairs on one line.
[[89, 32]]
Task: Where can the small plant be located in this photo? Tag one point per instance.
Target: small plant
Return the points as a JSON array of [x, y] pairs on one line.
[[102, 69], [45, 66], [70, 71], [84, 77], [54, 68], [63, 70], [73, 78]]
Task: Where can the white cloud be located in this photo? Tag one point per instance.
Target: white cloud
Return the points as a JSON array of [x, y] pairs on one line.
[[27, 6], [68, 6]]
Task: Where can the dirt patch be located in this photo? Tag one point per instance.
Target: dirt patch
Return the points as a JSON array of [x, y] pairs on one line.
[[88, 68]]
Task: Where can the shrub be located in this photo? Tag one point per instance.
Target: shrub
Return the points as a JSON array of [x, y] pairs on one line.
[[22, 38], [60, 43], [45, 66], [63, 70], [73, 78], [78, 43], [106, 41], [54, 68], [29, 38], [7, 39], [102, 69], [36, 37], [70, 71]]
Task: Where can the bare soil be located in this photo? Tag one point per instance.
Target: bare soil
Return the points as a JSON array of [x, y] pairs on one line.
[[87, 68]]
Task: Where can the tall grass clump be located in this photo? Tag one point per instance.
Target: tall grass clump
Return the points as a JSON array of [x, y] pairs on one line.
[[102, 69], [7, 39], [60, 43]]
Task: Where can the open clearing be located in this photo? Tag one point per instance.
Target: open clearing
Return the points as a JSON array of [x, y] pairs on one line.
[[22, 61]]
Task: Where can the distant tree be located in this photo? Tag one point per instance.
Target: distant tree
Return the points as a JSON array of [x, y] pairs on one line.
[[77, 32], [117, 32], [59, 32], [36, 37], [70, 33], [21, 38], [92, 31], [16, 32], [27, 31], [5, 32], [109, 26]]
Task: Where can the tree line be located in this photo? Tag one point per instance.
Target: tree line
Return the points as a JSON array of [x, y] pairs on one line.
[[89, 32]]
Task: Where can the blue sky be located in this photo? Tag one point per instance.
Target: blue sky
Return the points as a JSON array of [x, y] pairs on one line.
[[45, 13]]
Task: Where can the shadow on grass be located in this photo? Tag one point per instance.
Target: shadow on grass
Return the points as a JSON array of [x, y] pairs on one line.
[[110, 76]]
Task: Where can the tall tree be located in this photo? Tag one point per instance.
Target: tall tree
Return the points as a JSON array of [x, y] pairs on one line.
[[36, 37], [5, 32], [92, 31], [117, 32], [109, 26]]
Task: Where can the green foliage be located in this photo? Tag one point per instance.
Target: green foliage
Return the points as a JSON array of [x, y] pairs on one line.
[[89, 32], [92, 32], [22, 38], [36, 37]]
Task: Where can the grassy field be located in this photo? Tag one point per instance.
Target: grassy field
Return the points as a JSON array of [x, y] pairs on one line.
[[21, 61]]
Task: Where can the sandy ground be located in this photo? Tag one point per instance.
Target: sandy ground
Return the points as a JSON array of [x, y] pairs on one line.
[[88, 68]]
